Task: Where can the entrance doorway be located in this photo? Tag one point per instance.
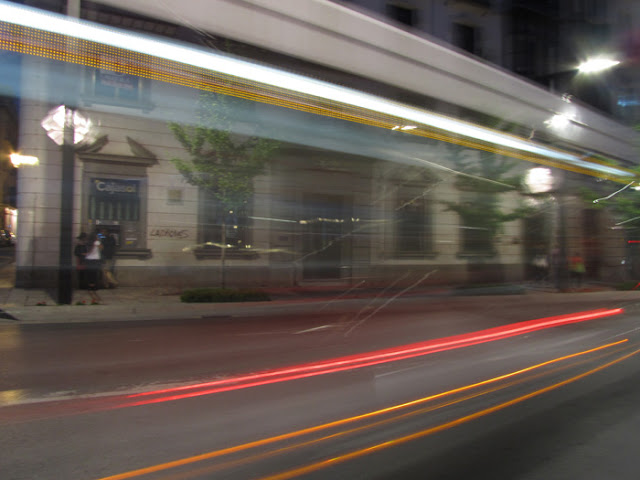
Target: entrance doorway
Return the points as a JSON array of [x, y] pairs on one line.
[[326, 221], [537, 246]]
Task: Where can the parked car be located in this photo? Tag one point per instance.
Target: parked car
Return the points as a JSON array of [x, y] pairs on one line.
[[7, 238]]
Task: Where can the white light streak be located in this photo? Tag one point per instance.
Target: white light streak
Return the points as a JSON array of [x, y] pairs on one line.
[[597, 65], [212, 61], [17, 160]]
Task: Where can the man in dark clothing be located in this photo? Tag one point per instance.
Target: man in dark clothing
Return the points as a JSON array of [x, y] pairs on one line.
[[80, 251], [108, 258]]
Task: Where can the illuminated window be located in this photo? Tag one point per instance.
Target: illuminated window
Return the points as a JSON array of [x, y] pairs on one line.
[[116, 204], [213, 217], [114, 200]]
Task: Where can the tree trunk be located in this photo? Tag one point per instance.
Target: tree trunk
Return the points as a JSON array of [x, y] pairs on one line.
[[223, 253]]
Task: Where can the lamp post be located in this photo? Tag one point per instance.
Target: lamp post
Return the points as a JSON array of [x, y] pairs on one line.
[[581, 81], [66, 127], [562, 267], [542, 180], [595, 65]]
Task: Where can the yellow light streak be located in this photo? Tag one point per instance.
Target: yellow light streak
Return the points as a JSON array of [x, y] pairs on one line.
[[79, 50], [261, 456], [344, 421], [445, 426]]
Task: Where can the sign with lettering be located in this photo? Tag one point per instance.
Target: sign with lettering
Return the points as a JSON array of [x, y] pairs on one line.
[[114, 186], [169, 233], [122, 81]]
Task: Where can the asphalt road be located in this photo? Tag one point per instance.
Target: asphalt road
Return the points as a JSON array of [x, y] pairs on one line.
[[94, 401]]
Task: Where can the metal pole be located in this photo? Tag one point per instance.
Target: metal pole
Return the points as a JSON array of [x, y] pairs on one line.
[[562, 277], [65, 261], [65, 264]]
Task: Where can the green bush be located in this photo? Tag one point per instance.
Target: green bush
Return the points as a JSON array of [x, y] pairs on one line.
[[490, 289], [628, 285], [219, 295]]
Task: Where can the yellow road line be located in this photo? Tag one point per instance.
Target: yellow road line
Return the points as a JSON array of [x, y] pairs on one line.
[[445, 426], [344, 421], [271, 453]]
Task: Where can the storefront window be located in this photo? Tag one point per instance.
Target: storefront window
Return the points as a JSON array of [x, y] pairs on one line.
[[413, 236], [116, 204], [236, 224], [113, 199]]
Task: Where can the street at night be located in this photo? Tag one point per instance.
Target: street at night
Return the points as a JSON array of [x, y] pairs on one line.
[[261, 397], [319, 239]]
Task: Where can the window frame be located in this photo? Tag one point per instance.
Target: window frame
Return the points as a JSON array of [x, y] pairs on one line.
[[91, 96], [405, 196]]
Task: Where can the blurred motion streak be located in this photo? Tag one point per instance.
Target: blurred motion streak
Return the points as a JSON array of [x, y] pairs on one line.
[[370, 358], [278, 451], [21, 412], [30, 31], [445, 426], [388, 410]]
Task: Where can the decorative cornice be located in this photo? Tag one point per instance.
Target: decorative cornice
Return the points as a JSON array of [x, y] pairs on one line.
[[94, 146], [139, 150], [118, 159]]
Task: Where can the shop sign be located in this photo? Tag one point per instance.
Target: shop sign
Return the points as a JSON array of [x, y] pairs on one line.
[[111, 186], [117, 80]]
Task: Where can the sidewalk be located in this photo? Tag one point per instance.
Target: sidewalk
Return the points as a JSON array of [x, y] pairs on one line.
[[27, 306], [145, 303]]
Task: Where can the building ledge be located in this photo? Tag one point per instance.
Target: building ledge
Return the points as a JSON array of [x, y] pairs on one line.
[[471, 255], [122, 159], [409, 256], [138, 253], [206, 253]]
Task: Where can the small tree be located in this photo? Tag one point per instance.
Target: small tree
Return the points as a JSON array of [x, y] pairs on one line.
[[487, 177], [622, 202], [220, 162]]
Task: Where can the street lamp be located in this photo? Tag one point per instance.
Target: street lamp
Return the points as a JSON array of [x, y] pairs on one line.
[[592, 66], [541, 180], [18, 159], [595, 65], [65, 126]]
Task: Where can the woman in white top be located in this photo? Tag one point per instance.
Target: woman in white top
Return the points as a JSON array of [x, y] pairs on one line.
[[93, 262]]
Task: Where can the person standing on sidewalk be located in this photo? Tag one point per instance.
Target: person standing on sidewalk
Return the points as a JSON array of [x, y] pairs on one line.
[[80, 252], [93, 261], [108, 258], [577, 269]]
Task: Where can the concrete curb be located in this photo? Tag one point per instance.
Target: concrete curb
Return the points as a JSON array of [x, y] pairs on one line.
[[136, 304]]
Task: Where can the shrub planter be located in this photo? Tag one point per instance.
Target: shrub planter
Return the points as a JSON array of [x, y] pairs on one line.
[[221, 295]]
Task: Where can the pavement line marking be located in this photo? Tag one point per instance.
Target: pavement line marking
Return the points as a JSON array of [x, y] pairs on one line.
[[399, 370], [445, 426], [344, 421], [314, 329], [625, 333], [306, 443], [256, 457]]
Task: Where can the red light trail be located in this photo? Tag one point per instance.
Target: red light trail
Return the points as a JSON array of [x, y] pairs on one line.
[[366, 359]]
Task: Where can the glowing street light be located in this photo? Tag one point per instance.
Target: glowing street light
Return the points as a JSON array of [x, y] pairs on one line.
[[17, 160], [539, 180], [559, 121], [595, 65], [56, 120]]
